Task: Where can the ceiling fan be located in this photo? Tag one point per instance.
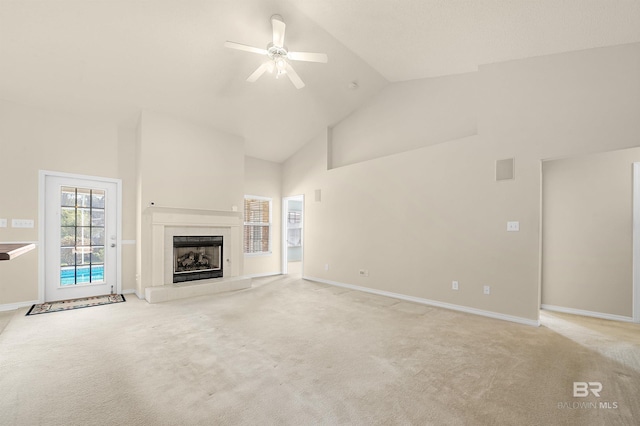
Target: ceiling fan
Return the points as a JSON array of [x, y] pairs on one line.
[[278, 55]]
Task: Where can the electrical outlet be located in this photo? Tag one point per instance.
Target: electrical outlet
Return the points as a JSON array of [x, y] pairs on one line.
[[3, 223], [21, 223], [326, 266], [513, 226], [363, 272], [486, 289], [454, 285]]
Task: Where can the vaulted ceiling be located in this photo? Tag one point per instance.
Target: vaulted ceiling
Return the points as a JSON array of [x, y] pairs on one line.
[[111, 58]]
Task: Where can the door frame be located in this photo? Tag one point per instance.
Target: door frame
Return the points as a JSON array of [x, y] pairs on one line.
[[636, 242], [285, 214], [42, 176]]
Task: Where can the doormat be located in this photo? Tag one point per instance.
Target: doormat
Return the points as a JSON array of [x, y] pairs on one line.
[[85, 302]]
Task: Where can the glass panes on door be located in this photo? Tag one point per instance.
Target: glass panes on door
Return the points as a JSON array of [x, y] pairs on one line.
[[82, 236]]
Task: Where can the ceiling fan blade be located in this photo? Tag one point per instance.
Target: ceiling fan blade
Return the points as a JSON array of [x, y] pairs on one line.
[[278, 30], [294, 77], [308, 57], [238, 46], [257, 73]]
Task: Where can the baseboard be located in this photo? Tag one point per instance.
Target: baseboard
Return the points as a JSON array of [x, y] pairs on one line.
[[460, 308], [584, 313], [134, 291], [14, 306], [268, 274]]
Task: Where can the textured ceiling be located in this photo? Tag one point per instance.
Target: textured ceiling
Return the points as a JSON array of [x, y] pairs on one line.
[[112, 58]]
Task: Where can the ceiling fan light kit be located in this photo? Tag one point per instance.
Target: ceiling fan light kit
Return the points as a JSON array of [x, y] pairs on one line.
[[278, 55]]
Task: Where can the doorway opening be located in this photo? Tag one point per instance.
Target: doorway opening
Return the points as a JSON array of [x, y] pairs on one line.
[[589, 263], [293, 234]]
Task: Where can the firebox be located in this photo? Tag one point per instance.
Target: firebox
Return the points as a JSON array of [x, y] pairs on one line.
[[196, 258]]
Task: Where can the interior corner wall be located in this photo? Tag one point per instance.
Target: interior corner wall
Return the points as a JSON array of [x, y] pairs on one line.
[[264, 178], [587, 232], [33, 139], [418, 220]]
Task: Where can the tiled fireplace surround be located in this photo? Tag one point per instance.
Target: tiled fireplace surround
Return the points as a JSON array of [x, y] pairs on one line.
[[164, 223]]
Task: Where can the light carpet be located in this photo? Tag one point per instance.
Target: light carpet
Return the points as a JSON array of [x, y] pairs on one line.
[[295, 352]]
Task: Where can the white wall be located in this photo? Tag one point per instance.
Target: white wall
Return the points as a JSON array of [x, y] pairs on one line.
[[416, 221], [127, 172], [420, 219], [563, 105], [264, 178], [187, 165], [33, 139], [184, 165], [413, 114]]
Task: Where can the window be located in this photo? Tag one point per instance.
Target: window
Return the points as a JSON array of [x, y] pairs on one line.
[[257, 224], [82, 214]]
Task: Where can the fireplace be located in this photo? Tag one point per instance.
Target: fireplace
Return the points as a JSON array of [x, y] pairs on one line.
[[197, 258]]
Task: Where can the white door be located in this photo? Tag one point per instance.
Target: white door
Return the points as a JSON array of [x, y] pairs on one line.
[[81, 256], [292, 234]]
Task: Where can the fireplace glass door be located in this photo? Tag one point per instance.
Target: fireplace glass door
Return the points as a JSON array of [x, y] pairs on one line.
[[196, 258]]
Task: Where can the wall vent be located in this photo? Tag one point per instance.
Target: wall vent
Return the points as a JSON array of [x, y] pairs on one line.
[[505, 169]]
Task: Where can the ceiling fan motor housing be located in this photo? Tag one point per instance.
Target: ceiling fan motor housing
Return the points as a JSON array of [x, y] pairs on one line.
[[274, 52]]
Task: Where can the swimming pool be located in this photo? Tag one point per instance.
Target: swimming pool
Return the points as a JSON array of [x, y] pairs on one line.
[[81, 275]]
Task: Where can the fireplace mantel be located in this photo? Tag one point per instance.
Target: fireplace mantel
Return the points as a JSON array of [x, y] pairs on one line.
[[161, 224], [172, 215]]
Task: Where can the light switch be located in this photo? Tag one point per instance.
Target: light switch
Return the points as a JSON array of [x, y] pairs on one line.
[[513, 226], [21, 223]]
